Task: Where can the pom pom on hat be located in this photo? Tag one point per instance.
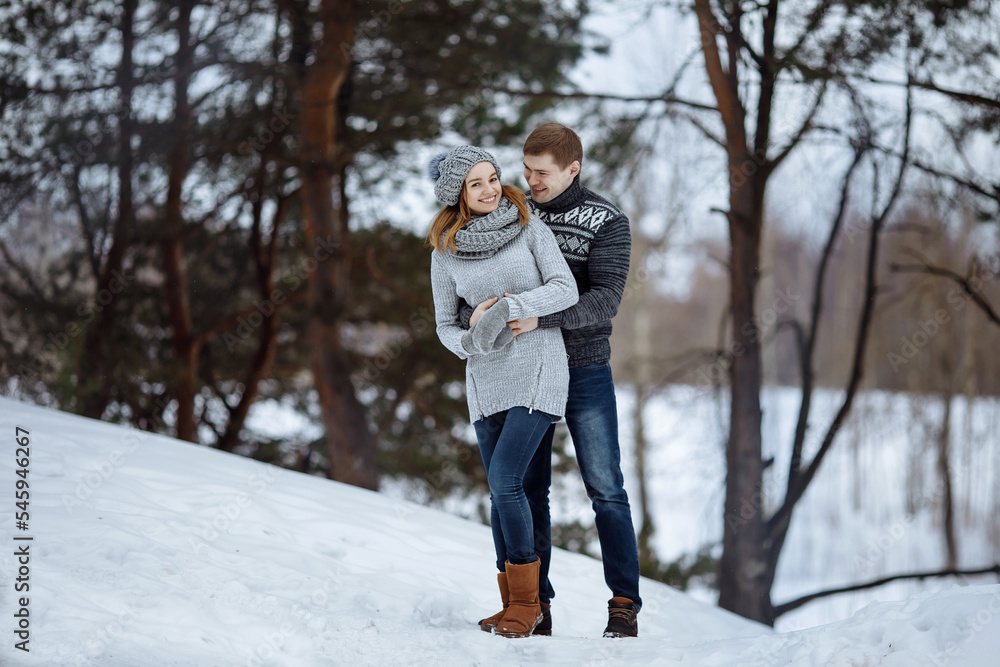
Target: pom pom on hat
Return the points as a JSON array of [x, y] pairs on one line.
[[432, 166], [448, 171]]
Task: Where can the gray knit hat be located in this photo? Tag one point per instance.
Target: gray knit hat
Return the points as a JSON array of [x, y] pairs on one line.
[[448, 171]]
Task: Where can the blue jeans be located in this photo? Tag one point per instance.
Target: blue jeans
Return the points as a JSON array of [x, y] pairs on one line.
[[592, 418], [507, 442]]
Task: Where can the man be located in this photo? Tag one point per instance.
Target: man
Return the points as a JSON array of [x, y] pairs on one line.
[[595, 240]]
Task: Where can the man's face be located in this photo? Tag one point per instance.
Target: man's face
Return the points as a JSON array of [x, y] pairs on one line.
[[546, 179]]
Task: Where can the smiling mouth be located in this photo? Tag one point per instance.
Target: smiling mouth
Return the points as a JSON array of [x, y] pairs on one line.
[[488, 201]]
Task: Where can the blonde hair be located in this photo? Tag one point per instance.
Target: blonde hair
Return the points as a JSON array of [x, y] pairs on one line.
[[450, 219]]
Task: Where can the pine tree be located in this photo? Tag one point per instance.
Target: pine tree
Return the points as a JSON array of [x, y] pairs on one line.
[[198, 171]]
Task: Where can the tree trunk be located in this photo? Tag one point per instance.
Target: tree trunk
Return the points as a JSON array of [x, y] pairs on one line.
[[260, 368], [646, 526], [352, 458], [744, 579], [642, 350], [944, 470], [93, 367], [186, 347], [265, 258]]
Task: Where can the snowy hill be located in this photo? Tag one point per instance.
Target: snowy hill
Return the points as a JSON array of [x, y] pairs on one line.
[[150, 551]]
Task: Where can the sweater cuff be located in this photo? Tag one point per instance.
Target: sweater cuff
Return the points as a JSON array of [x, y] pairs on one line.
[[513, 308], [553, 321]]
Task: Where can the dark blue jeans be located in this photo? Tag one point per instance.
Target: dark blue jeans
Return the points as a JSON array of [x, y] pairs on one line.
[[592, 418], [507, 442]]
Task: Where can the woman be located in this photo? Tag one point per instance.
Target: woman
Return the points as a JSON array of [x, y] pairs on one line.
[[487, 245]]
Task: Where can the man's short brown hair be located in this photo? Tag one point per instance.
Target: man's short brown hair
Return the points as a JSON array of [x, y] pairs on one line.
[[557, 140]]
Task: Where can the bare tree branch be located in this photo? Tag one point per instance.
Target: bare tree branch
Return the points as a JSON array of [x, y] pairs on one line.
[[232, 320], [766, 64], [718, 75], [809, 341], [954, 178], [798, 602], [86, 226], [807, 125], [960, 95], [778, 524], [974, 294], [777, 530], [704, 129], [668, 97], [815, 20], [24, 273]]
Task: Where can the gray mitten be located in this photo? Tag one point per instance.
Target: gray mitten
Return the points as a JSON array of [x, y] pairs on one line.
[[491, 331]]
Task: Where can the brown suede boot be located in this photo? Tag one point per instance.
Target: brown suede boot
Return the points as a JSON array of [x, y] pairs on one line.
[[489, 624], [524, 612]]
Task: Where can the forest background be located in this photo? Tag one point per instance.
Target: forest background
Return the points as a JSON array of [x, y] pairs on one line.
[[208, 210]]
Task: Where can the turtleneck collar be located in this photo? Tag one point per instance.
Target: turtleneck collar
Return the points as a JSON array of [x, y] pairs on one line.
[[572, 197]]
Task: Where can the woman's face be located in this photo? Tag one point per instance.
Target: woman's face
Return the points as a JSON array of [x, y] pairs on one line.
[[482, 189]]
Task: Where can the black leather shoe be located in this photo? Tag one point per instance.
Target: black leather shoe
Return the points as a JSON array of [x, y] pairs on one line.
[[545, 627], [622, 618]]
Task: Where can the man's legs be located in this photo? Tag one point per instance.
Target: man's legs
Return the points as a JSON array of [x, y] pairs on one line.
[[592, 417]]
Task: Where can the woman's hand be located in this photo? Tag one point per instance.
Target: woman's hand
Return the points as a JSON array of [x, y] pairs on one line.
[[492, 332], [481, 310], [523, 325]]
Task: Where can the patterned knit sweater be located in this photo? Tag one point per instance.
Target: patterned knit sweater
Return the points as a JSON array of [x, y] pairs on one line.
[[530, 370], [593, 236]]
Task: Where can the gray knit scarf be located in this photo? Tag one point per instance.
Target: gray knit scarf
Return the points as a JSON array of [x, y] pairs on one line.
[[484, 235]]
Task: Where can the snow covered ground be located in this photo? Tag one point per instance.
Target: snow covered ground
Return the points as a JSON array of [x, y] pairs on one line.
[[872, 511], [150, 551]]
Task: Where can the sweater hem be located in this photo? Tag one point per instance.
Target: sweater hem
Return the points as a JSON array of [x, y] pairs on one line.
[[556, 408], [598, 352]]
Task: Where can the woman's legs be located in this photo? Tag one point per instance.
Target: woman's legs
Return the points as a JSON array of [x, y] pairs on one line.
[[488, 434], [507, 444]]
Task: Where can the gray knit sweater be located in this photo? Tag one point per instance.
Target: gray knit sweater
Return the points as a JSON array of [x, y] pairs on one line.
[[593, 235], [528, 370]]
